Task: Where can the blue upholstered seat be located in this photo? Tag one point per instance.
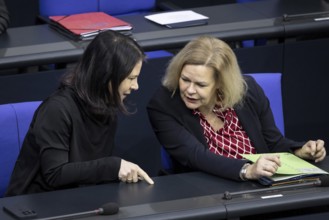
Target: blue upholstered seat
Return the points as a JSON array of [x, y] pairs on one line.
[[15, 120], [271, 84], [66, 7], [112, 7]]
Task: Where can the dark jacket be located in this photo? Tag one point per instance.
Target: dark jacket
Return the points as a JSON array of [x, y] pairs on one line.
[[64, 147], [180, 132]]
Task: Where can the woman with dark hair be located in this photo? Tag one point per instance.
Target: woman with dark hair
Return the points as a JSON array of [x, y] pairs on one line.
[[71, 136]]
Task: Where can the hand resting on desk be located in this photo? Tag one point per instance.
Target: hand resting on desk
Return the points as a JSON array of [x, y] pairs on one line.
[[312, 150]]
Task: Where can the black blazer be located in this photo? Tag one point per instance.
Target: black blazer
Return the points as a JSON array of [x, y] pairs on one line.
[[180, 132]]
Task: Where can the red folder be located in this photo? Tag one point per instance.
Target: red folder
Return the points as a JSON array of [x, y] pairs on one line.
[[88, 24]]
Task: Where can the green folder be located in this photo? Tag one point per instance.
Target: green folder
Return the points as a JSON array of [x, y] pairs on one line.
[[292, 169]]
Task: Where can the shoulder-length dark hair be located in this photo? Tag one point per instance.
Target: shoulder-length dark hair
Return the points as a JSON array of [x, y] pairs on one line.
[[105, 63]]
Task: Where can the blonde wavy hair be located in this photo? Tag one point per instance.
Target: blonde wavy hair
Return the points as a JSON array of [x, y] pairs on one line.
[[216, 54]]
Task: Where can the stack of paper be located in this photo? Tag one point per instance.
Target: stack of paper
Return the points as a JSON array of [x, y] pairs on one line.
[[86, 26], [178, 19], [293, 169]]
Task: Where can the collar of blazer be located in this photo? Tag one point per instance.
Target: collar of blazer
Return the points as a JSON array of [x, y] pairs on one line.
[[249, 121]]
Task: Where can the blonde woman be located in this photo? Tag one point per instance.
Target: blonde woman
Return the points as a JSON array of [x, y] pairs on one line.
[[206, 114]]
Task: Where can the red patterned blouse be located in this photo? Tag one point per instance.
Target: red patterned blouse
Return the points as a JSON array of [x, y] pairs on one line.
[[229, 141]]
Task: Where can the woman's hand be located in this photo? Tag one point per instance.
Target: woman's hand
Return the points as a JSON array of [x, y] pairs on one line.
[[266, 165], [312, 150], [132, 173]]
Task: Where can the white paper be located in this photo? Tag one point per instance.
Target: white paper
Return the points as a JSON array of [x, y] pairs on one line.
[[176, 17]]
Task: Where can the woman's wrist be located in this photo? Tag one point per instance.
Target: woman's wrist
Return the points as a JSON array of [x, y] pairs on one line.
[[243, 172], [297, 152]]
